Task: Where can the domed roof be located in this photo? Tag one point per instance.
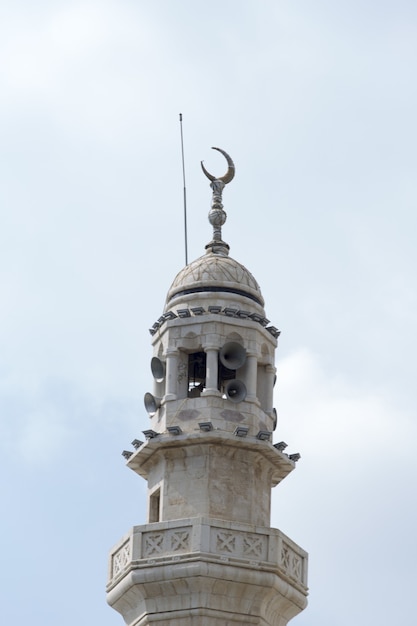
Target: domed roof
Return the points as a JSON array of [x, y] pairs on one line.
[[215, 272]]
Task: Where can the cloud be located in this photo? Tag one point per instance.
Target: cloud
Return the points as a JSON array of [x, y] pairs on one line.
[[333, 416], [344, 502], [85, 66], [36, 50], [42, 436], [57, 418]]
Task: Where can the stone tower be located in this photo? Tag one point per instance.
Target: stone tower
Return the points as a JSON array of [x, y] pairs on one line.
[[207, 555]]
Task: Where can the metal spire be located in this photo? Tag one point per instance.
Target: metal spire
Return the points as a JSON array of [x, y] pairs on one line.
[[217, 216]]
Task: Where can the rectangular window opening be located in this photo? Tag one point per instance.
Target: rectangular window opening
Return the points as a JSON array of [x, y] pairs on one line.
[[154, 506], [196, 374]]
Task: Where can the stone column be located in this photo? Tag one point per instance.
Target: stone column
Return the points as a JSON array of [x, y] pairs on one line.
[[212, 365], [269, 388], [171, 375], [251, 376]]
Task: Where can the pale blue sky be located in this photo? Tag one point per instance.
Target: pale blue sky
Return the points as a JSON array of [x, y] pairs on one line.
[[316, 102]]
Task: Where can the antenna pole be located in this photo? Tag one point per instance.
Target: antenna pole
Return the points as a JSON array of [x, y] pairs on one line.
[[185, 193]]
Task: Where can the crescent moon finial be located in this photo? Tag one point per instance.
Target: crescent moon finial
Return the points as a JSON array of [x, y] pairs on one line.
[[230, 171], [217, 216]]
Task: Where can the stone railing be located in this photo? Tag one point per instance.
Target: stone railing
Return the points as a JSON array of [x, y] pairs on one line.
[[209, 539]]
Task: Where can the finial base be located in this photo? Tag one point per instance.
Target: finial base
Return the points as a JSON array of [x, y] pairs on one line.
[[218, 247]]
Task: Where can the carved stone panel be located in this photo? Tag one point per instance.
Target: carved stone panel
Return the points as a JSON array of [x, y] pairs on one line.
[[239, 544], [291, 563], [164, 542], [120, 559]]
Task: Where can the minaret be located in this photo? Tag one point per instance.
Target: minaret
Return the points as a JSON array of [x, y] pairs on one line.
[[207, 555]]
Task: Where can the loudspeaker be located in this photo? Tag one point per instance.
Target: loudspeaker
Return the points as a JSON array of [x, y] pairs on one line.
[[274, 412], [235, 391], [232, 355], [152, 404], [158, 369]]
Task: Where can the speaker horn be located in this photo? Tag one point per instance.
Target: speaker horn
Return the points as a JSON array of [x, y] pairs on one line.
[[274, 413], [235, 391], [232, 355], [158, 369], [152, 404]]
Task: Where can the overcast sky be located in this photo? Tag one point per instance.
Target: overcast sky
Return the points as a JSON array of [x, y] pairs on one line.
[[316, 103]]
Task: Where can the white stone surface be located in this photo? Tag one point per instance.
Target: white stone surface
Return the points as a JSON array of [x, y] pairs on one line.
[[212, 473], [208, 556], [210, 332], [215, 270], [208, 572]]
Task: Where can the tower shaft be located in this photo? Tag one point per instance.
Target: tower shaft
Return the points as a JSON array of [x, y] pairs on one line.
[[207, 555]]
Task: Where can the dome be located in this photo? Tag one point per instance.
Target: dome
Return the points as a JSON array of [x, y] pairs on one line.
[[215, 272]]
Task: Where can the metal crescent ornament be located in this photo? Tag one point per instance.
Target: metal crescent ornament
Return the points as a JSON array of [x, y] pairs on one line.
[[230, 171]]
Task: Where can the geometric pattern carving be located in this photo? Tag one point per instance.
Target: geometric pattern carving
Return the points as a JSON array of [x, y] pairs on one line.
[[180, 540], [165, 542], [226, 542], [121, 558], [291, 563], [252, 546], [153, 544], [240, 544]]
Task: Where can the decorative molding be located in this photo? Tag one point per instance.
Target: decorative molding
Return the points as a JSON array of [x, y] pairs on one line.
[[254, 546], [291, 563], [172, 541], [227, 311], [225, 542], [152, 544], [239, 544], [121, 559], [165, 542]]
